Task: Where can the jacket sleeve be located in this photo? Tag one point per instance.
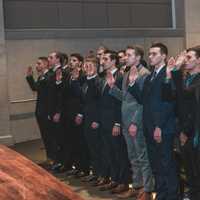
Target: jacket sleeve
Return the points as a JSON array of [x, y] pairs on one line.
[[118, 102], [162, 115], [32, 83], [136, 92], [137, 117], [116, 92], [168, 91]]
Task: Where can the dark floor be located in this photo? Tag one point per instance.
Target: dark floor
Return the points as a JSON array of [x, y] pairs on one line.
[[35, 151]]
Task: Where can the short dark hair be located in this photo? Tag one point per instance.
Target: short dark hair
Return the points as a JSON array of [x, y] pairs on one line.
[[64, 59], [58, 55], [196, 49], [102, 47], [78, 56], [163, 48], [113, 55], [139, 51]]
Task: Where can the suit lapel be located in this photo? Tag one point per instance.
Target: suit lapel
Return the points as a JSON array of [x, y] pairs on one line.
[[104, 83], [125, 81], [150, 84]]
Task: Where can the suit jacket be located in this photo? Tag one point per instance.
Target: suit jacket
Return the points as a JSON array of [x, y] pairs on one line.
[[131, 109], [89, 94], [110, 107], [72, 100], [55, 94], [187, 100], [156, 111], [41, 87]]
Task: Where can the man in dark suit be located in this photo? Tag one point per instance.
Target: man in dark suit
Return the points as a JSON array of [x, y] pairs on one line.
[[40, 86], [114, 147], [73, 118], [88, 92], [158, 124], [55, 103], [185, 90]]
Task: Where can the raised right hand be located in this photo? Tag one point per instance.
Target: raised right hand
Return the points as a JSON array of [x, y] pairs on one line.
[[180, 59], [110, 79], [75, 74], [29, 71], [170, 66], [132, 130]]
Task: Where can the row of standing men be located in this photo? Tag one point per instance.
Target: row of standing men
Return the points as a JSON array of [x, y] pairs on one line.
[[118, 118]]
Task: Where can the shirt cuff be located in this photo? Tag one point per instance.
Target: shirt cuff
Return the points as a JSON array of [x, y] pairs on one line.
[[58, 82], [80, 115], [91, 77], [117, 124], [131, 84]]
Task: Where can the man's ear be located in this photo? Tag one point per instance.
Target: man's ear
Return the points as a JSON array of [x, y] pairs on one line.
[[138, 57], [198, 60], [164, 57]]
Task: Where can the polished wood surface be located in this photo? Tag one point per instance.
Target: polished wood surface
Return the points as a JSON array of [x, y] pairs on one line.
[[21, 179]]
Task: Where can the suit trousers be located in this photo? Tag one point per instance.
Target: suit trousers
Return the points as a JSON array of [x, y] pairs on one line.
[[43, 124], [75, 146], [163, 165], [115, 154], [138, 157], [190, 157], [94, 143]]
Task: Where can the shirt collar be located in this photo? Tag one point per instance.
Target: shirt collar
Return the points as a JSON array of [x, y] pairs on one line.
[[45, 71], [159, 69], [91, 77], [113, 71], [66, 66], [56, 67]]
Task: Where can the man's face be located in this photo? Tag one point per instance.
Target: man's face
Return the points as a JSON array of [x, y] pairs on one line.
[[41, 65], [90, 68], [53, 60], [107, 62], [131, 58], [74, 62], [122, 58], [155, 56], [191, 61], [100, 53]]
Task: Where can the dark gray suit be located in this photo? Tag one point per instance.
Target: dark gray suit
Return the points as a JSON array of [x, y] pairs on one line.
[[137, 151]]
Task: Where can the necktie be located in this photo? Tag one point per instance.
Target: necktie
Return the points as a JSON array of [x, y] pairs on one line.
[[153, 75]]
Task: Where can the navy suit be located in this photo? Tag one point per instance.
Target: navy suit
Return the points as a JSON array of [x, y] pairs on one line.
[[88, 92], [41, 112], [75, 143], [159, 113], [55, 102], [185, 91]]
